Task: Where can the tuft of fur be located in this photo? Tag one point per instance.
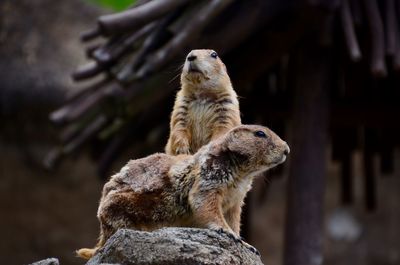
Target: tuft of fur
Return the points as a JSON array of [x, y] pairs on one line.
[[204, 190], [86, 253], [205, 108]]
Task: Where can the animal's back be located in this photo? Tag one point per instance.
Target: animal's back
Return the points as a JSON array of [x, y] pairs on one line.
[[146, 174], [142, 195]]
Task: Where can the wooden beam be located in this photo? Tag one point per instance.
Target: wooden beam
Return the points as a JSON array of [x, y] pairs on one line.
[[304, 218]]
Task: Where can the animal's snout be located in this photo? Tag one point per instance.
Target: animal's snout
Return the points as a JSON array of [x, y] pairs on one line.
[[286, 151], [191, 58]]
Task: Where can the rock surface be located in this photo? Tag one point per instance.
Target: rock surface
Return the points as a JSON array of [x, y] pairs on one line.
[[49, 261], [173, 246]]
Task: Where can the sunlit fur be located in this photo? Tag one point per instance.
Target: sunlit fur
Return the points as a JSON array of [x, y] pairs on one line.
[[206, 106], [204, 190]]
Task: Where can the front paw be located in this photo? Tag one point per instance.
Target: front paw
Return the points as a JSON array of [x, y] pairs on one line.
[[251, 248], [181, 147], [229, 234], [182, 150], [237, 239]]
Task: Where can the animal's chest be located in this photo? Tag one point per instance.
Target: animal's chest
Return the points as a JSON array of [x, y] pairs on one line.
[[236, 194], [201, 120]]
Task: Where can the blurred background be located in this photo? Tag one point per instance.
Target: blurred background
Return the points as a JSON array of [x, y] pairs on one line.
[[322, 74]]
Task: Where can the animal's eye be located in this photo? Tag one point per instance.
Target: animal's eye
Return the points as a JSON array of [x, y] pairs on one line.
[[214, 55], [260, 134]]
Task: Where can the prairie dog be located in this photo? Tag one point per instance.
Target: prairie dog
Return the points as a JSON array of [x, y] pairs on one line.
[[206, 107], [204, 190]]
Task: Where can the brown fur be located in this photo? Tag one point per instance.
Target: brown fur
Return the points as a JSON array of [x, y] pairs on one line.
[[205, 108], [204, 190]]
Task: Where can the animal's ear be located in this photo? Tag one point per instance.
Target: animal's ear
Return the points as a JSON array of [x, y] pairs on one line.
[[238, 133], [240, 143]]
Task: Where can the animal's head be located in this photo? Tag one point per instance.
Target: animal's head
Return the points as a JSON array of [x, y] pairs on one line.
[[254, 148], [203, 69]]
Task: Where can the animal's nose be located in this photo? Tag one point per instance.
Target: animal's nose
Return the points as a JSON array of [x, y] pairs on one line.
[[287, 150], [191, 58]]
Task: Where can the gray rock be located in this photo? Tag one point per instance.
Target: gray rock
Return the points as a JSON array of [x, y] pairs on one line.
[[169, 246], [49, 261], [342, 225]]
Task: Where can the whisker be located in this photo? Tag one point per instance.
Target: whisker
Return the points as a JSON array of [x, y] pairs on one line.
[[179, 68], [173, 79], [267, 177], [267, 180]]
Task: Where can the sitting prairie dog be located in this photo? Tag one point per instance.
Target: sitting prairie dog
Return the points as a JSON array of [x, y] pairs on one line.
[[206, 107], [204, 190]]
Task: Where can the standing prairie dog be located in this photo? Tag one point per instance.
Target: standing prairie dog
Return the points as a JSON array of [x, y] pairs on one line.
[[206, 107], [204, 190]]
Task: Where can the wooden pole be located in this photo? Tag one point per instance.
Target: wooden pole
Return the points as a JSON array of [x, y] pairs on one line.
[[304, 222], [370, 142]]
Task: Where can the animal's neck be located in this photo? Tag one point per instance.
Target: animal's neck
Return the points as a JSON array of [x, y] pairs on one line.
[[201, 90], [229, 166], [241, 168]]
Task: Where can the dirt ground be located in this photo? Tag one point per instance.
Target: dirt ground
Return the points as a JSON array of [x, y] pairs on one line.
[[52, 214]]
